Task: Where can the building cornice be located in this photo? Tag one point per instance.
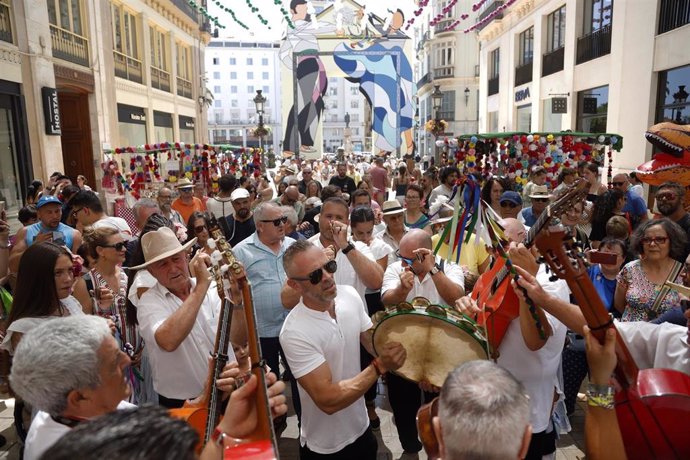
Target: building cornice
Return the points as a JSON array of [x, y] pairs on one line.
[[170, 12], [72, 76], [10, 56], [123, 84]]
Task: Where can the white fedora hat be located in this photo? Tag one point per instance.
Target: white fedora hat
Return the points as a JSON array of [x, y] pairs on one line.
[[160, 244]]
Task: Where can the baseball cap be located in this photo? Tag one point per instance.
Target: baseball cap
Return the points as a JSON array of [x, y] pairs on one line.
[[47, 199], [511, 197], [239, 193]]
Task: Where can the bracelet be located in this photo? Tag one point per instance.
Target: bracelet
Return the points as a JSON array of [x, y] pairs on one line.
[[377, 366], [224, 440], [600, 396]]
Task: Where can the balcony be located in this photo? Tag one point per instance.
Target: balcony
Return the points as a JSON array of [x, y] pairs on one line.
[[488, 9], [422, 41], [5, 21], [594, 45], [444, 72], [523, 74], [127, 67], [184, 88], [493, 86], [69, 47], [673, 14], [424, 80], [552, 62], [187, 9], [447, 115], [440, 27], [160, 79]]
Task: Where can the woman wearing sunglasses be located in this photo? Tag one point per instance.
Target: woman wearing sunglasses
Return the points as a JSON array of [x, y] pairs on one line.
[[197, 227], [640, 294]]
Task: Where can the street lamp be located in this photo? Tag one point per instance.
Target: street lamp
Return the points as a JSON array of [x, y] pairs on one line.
[[259, 101], [436, 101], [467, 95]]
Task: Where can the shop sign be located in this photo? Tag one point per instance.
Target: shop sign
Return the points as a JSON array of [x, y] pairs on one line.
[[522, 95], [51, 111]]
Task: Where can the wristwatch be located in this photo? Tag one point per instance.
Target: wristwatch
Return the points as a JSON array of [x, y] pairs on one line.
[[435, 269], [350, 246]]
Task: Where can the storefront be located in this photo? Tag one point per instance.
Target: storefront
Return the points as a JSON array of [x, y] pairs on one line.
[[592, 109], [523, 114], [162, 127], [672, 102], [131, 124], [187, 125]]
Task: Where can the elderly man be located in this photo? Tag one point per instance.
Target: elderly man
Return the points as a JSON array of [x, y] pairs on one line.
[[321, 338], [165, 201], [393, 216], [143, 209], [70, 369], [307, 176], [481, 403], [240, 225], [418, 273], [178, 318], [48, 228], [291, 198], [187, 203], [540, 198], [634, 204]]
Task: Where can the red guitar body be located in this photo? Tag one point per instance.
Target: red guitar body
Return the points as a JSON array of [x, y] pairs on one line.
[[256, 450]]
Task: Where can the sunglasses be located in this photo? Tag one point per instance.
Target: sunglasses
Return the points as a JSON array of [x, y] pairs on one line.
[[117, 246], [76, 212], [658, 240], [666, 197], [199, 229], [277, 222], [316, 276], [540, 200], [405, 259], [617, 184], [508, 204]]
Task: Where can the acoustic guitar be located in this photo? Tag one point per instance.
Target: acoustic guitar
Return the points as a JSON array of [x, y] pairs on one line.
[[651, 404]]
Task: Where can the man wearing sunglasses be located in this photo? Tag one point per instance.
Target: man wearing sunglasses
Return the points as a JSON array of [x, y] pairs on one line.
[[321, 338], [540, 198], [87, 211], [669, 200], [418, 272], [511, 204], [634, 204]]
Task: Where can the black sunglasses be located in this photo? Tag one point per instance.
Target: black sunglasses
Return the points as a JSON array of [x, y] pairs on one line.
[[277, 222], [117, 246], [617, 184], [540, 200], [509, 204], [316, 276]]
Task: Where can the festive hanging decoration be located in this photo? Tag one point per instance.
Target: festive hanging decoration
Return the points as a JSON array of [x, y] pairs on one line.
[[255, 10], [490, 17], [205, 13], [417, 13], [444, 12], [436, 127], [260, 131], [285, 13]]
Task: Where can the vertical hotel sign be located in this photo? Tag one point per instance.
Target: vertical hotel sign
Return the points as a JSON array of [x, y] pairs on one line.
[[51, 111]]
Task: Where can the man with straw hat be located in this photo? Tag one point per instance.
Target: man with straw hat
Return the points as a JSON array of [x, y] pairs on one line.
[[178, 318], [187, 203]]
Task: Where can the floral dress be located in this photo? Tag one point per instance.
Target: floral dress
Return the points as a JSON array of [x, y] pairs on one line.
[[641, 294]]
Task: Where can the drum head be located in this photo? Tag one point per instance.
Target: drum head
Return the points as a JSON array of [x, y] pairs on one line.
[[434, 346]]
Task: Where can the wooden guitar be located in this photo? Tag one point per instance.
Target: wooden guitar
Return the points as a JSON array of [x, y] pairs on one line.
[[425, 428], [651, 404], [493, 292]]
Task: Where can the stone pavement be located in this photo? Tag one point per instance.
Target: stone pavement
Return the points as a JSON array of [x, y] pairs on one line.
[[570, 446]]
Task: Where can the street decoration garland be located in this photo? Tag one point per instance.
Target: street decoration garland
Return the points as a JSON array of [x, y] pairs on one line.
[[231, 13], [490, 17], [204, 12], [418, 12], [515, 154], [440, 16]]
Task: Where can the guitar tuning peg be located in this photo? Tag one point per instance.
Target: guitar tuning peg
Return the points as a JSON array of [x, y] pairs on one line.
[[541, 260], [553, 278]]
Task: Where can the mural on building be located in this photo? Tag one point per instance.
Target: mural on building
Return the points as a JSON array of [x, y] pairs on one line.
[[366, 50]]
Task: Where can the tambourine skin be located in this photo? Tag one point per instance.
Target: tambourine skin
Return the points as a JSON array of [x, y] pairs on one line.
[[436, 339]]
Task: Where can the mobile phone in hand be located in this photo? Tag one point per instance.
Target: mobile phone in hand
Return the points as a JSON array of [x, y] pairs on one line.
[[606, 258]]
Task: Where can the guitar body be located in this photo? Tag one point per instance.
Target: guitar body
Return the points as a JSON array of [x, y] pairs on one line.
[[196, 417], [425, 428], [651, 415], [255, 450], [500, 304]]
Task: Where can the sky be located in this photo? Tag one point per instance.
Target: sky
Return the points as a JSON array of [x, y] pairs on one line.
[[272, 14]]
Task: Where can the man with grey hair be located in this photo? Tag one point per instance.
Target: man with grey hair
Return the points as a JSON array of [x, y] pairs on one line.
[[483, 413], [143, 209], [70, 369], [291, 198], [165, 199], [291, 229]]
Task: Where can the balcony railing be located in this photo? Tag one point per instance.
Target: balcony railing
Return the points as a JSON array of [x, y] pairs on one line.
[[447, 116], [673, 14], [186, 9], [488, 9], [441, 26], [552, 62], [184, 88], [5, 21], [493, 85], [594, 45], [424, 80], [69, 46], [160, 79], [523, 74], [444, 72], [128, 67]]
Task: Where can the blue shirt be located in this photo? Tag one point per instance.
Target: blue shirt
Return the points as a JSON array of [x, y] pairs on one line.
[[528, 215], [267, 276], [67, 233], [606, 288], [635, 204]]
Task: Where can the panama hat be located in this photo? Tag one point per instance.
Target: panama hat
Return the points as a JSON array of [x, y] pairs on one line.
[[159, 245], [540, 191], [184, 183], [391, 207]]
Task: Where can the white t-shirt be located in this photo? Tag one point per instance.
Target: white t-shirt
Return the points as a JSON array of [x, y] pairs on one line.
[[379, 249], [346, 272], [118, 223], [310, 338], [537, 370], [142, 280], [180, 374], [426, 287], [220, 207], [662, 346], [44, 432]]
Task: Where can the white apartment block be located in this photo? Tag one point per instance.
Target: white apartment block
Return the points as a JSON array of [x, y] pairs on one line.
[[235, 71], [343, 97]]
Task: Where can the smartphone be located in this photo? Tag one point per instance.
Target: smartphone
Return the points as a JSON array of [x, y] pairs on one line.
[[606, 258], [59, 238]]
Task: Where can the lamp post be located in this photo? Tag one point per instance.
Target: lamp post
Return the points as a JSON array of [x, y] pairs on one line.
[[436, 101], [259, 101], [467, 95]]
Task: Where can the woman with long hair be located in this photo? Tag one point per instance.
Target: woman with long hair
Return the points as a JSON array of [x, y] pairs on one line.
[[197, 227], [607, 205], [492, 190], [314, 189], [596, 188], [400, 183], [34, 192], [414, 216]]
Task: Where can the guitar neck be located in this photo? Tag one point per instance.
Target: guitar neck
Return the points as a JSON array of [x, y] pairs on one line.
[[220, 359]]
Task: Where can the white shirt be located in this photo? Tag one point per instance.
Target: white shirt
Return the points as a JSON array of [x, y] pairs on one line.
[[663, 346], [379, 249], [118, 223], [143, 279], [537, 370], [346, 272], [310, 338], [180, 374], [426, 287], [220, 207], [44, 432]]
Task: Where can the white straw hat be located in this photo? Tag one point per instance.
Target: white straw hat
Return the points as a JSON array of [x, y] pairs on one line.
[[159, 245]]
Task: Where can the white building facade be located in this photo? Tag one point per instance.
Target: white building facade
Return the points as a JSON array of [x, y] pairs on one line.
[[235, 71], [344, 98], [586, 65]]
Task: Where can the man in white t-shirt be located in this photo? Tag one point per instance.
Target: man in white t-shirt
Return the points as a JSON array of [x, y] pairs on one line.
[[321, 338], [178, 318], [69, 369], [87, 210]]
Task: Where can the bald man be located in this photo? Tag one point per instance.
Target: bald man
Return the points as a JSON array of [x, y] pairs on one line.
[[417, 273], [513, 229], [290, 197]]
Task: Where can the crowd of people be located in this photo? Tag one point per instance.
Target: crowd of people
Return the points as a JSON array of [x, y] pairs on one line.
[[102, 317]]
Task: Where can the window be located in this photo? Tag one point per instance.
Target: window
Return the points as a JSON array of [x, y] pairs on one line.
[[250, 102], [233, 61], [264, 89], [598, 14], [233, 75], [494, 63], [184, 68], [264, 61], [354, 90], [234, 103], [555, 23], [124, 32], [450, 14], [250, 89], [159, 49], [354, 104], [333, 91], [250, 75], [217, 103], [216, 61], [354, 118], [216, 89], [250, 61], [447, 109], [218, 116], [673, 104], [233, 89], [444, 54], [526, 40], [592, 110], [216, 75], [65, 14], [264, 75]]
